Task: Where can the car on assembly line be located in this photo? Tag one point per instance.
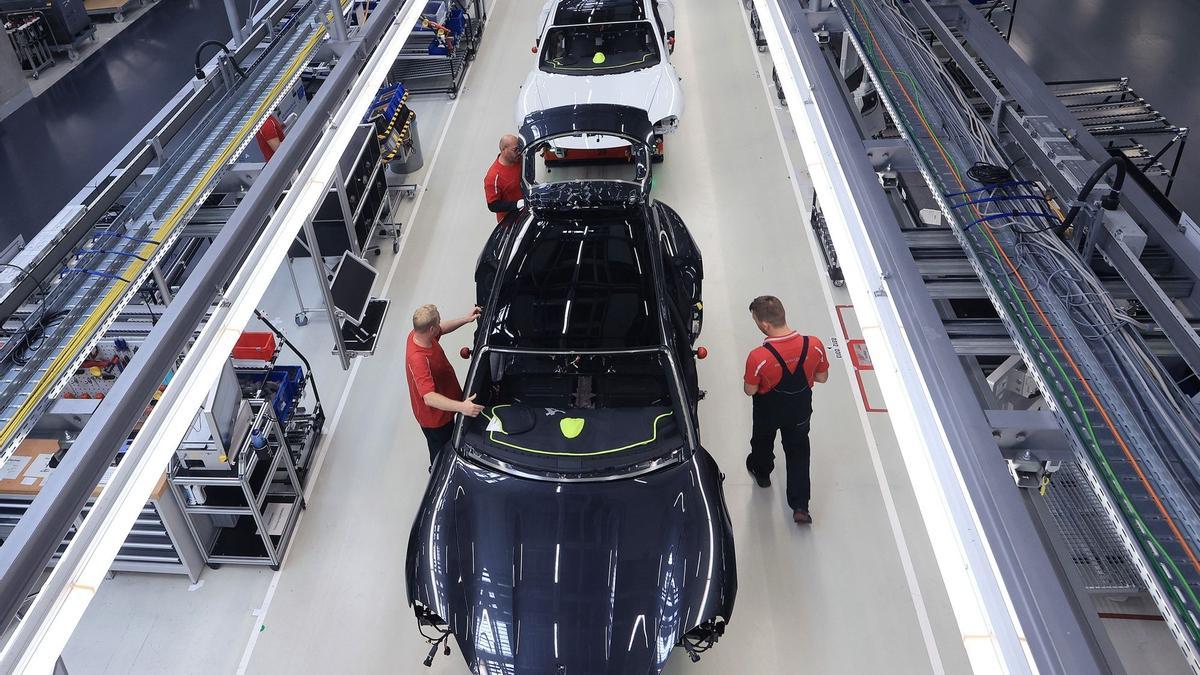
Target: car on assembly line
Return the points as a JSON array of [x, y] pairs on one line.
[[605, 51], [578, 525]]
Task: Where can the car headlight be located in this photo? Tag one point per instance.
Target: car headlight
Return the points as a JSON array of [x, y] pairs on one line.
[[666, 125]]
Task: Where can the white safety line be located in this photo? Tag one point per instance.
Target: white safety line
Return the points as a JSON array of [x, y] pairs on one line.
[[261, 612], [889, 502]]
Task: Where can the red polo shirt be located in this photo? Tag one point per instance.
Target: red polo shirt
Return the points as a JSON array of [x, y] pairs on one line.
[[429, 370], [270, 130], [762, 368], [502, 183]]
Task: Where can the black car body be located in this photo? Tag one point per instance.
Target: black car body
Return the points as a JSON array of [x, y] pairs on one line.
[[578, 527]]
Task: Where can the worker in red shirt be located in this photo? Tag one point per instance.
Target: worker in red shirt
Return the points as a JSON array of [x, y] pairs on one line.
[[432, 384], [502, 184], [269, 136], [780, 375]]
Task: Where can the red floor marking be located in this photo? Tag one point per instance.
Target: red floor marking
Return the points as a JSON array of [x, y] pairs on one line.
[[860, 358]]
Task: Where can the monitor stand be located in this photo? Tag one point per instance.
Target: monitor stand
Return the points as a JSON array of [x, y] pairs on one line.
[[361, 339]]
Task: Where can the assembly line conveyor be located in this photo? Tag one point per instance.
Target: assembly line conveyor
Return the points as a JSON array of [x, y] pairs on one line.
[[69, 312]]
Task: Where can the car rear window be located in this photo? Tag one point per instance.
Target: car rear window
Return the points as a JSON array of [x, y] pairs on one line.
[[598, 11], [600, 49]]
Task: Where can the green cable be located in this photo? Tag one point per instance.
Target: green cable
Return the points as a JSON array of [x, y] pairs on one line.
[[1097, 452]]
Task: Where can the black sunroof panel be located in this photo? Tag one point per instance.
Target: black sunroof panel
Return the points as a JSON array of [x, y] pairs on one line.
[[588, 286]]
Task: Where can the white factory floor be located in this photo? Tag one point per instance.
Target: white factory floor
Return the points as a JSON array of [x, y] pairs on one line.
[[807, 596], [857, 592]]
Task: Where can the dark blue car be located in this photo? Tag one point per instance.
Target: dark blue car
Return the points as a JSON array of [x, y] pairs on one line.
[[578, 526]]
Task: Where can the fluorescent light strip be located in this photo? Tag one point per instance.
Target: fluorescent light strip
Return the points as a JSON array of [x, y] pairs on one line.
[[40, 642], [987, 622]]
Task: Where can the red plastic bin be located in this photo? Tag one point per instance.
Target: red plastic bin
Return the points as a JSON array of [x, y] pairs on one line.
[[255, 346]]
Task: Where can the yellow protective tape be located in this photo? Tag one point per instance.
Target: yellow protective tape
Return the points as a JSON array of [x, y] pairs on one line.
[[648, 441]]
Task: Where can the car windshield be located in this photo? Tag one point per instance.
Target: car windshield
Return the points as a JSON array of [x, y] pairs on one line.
[[599, 49], [575, 413], [581, 284]]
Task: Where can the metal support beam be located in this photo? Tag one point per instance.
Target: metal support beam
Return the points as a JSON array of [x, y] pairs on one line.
[[889, 155], [337, 21], [1148, 291], [235, 22], [1033, 431], [339, 187], [164, 289], [318, 260]]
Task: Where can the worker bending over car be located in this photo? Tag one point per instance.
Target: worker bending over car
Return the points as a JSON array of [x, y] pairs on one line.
[[432, 385], [502, 184], [780, 375]]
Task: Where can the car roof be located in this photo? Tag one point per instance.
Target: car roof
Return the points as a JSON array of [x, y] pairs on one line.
[[605, 118], [598, 11], [579, 284]]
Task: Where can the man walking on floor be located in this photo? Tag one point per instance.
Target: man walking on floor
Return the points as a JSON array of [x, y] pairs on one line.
[[780, 375], [502, 184], [432, 385]]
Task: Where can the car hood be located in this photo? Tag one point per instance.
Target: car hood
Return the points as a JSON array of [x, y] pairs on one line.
[[655, 90], [539, 577]]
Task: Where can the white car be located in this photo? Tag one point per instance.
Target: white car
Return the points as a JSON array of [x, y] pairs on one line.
[[605, 51]]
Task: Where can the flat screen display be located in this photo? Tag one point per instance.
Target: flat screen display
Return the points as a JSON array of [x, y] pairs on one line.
[[351, 287]]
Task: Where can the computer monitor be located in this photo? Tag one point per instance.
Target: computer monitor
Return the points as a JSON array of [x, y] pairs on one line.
[[351, 287], [221, 408]]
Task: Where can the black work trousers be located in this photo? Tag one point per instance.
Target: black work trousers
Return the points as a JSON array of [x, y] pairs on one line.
[[437, 438], [796, 453]]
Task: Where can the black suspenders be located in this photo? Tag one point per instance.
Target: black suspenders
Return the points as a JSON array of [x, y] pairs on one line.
[[786, 374]]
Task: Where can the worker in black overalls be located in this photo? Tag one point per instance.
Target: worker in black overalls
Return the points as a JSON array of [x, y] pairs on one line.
[[780, 375]]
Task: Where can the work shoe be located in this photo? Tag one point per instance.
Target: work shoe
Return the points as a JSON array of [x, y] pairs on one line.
[[763, 481], [801, 517]]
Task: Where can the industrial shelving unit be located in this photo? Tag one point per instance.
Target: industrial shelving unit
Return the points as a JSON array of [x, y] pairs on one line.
[[350, 226], [31, 42], [249, 512], [426, 68], [158, 543]]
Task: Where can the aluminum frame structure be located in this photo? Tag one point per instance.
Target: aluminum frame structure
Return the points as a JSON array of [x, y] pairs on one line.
[[234, 273], [957, 102], [79, 284]]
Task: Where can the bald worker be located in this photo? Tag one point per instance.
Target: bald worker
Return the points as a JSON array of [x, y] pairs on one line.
[[502, 185]]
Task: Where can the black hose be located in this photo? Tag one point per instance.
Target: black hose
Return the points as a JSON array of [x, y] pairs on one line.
[[1112, 200], [223, 47], [279, 334]]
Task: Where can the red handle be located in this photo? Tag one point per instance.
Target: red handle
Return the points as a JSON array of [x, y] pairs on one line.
[[465, 352], [702, 353]]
